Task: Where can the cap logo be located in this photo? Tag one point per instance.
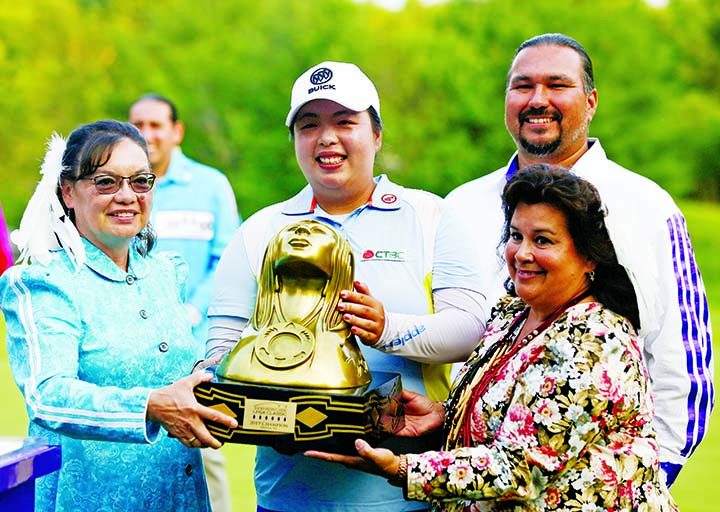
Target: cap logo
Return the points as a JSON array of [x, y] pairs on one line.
[[320, 76]]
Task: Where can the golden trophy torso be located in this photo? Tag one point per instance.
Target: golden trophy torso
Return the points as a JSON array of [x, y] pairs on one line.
[[298, 337]]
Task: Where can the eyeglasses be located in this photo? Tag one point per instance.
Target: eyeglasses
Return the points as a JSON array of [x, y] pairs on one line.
[[109, 184]]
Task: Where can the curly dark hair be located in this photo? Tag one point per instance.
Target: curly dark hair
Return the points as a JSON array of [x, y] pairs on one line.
[[585, 216]]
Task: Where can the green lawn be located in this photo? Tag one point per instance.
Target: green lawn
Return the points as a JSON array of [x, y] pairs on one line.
[[693, 490]]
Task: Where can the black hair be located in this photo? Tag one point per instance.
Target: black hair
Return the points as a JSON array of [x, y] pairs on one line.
[[375, 120], [162, 99], [588, 76], [89, 147], [580, 203]]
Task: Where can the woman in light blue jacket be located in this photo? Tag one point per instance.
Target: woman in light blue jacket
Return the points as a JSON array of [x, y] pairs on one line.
[[97, 334]]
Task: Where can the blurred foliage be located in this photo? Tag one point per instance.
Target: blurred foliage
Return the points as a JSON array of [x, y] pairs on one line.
[[440, 70]]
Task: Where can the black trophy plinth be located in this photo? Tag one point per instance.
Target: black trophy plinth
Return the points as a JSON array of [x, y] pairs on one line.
[[297, 419]]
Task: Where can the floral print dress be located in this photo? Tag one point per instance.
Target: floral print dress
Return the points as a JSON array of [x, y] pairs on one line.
[[565, 424]]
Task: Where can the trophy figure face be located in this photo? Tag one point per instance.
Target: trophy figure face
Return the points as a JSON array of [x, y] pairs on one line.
[[298, 337], [309, 243]]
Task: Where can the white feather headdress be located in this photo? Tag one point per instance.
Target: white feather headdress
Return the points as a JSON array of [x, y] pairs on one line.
[[45, 226]]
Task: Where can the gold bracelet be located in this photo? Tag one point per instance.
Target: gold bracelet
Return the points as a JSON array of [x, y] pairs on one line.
[[400, 478]]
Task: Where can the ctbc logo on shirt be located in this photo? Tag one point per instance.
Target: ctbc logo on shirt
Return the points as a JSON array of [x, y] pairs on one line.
[[320, 76], [388, 198], [383, 255]]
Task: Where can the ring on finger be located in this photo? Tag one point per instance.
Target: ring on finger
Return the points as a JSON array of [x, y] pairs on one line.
[[191, 440]]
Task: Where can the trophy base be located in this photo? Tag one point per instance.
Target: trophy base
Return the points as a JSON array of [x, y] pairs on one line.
[[294, 420]]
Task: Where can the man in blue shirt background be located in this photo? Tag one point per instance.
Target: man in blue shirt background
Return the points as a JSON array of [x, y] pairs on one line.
[[195, 214]]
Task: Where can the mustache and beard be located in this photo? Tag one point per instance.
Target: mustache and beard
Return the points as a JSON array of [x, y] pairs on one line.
[[541, 149]]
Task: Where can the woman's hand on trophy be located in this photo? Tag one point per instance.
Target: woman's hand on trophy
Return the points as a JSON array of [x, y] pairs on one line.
[[422, 415], [376, 461], [364, 313], [178, 411]]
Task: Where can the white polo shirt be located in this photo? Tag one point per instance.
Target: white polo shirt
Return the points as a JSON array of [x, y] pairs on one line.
[[406, 244]]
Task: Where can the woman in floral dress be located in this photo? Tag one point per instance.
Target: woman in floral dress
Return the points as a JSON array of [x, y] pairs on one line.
[[552, 411]]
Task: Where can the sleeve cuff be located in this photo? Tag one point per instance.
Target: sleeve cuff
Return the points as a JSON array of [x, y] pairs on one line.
[[670, 472]]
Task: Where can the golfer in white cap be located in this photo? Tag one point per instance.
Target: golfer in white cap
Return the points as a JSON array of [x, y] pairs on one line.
[[416, 305]]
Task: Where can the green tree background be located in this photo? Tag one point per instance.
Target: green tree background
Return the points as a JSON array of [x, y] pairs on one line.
[[440, 71]]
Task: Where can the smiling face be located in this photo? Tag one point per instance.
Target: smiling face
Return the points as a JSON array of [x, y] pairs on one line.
[[544, 264], [335, 148], [547, 111], [154, 120], [110, 221]]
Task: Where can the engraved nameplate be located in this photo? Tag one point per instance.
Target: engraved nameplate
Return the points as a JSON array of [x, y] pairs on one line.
[[269, 416]]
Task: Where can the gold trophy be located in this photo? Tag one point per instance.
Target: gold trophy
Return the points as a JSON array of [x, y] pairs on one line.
[[301, 339], [297, 379]]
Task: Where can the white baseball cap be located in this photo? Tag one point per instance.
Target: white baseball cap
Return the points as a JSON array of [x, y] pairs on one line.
[[340, 82]]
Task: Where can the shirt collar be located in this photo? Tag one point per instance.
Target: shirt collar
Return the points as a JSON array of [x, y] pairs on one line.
[[386, 196], [101, 263], [512, 166], [177, 171]]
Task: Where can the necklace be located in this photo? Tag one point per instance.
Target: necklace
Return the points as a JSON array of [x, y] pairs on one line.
[[472, 387]]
